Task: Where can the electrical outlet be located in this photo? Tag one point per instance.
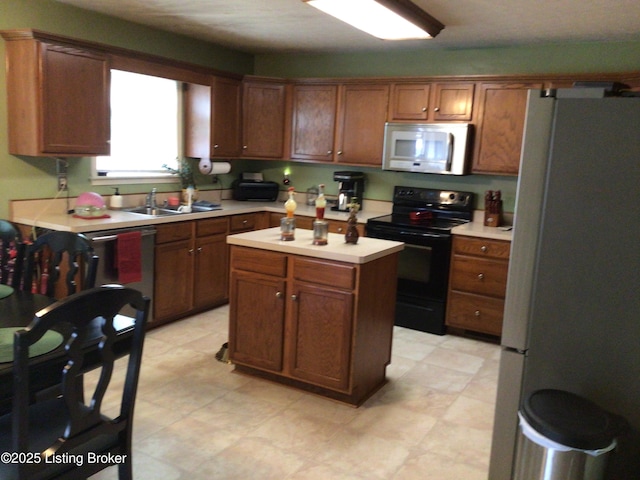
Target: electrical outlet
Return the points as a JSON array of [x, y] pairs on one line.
[[62, 182]]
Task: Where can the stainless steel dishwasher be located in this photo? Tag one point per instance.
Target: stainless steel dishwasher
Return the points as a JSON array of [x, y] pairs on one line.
[[104, 244]]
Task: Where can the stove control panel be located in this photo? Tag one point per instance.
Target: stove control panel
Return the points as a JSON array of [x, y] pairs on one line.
[[431, 197]]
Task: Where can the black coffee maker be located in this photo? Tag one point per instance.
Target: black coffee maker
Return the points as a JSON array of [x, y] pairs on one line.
[[351, 186]]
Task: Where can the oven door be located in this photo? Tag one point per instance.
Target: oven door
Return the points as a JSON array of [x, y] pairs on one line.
[[423, 268], [423, 276]]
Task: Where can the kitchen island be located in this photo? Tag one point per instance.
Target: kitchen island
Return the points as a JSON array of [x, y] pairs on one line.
[[318, 318]]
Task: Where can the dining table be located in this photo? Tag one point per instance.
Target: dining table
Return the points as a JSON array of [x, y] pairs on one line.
[[17, 310]]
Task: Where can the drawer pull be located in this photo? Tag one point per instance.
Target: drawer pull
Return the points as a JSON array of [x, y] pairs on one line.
[[477, 313], [339, 229], [278, 294], [481, 276], [484, 249]]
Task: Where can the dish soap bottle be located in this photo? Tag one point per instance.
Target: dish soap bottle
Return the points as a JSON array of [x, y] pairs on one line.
[[288, 223], [115, 203]]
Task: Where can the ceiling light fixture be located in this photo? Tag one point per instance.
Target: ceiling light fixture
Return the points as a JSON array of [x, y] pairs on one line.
[[385, 19]]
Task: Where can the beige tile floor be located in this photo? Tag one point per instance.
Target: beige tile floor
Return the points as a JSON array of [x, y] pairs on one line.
[[197, 420]]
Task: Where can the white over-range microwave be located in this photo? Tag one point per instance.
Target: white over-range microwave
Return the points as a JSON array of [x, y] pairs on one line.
[[426, 147]]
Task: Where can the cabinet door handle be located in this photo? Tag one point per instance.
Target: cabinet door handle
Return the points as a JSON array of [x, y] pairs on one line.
[[484, 249], [339, 152], [216, 146], [477, 313], [294, 297], [329, 152], [278, 294], [424, 109], [199, 249], [191, 251], [481, 276], [244, 147]]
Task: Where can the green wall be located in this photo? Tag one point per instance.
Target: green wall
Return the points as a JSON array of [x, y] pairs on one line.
[[35, 177], [27, 177], [539, 59]]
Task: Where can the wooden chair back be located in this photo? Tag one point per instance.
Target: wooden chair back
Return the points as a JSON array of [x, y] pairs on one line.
[[58, 264], [68, 426], [11, 254]]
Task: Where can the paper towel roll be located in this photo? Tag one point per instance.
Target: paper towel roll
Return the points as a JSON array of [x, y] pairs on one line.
[[207, 167]]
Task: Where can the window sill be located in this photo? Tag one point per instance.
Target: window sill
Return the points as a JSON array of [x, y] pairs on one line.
[[132, 180]]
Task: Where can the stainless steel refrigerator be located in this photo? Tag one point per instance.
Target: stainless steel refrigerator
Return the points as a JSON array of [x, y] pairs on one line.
[[572, 308]]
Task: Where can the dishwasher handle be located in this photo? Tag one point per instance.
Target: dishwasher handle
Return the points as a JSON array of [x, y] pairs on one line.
[[107, 237]]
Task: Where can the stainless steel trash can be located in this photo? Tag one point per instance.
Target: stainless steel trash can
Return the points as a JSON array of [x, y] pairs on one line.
[[564, 437]]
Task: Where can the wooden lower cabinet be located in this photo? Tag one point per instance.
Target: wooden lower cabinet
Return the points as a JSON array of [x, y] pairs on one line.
[[191, 265], [319, 325], [477, 284]]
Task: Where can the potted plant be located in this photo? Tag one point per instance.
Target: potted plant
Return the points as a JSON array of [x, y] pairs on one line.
[[185, 173]]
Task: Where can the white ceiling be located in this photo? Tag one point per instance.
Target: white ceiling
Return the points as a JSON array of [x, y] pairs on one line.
[[264, 26]]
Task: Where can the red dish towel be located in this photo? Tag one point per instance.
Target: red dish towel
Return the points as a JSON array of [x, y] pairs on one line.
[[129, 257]]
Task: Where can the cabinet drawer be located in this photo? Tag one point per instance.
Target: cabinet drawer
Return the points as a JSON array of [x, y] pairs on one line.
[[171, 232], [242, 223], [211, 226], [481, 247], [475, 312], [479, 275], [324, 273], [259, 261]]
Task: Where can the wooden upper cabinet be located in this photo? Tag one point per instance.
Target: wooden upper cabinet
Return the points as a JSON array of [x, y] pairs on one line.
[[197, 120], [434, 102], [409, 101], [58, 98], [226, 118], [212, 119], [362, 111], [453, 101], [501, 114], [313, 122], [263, 120]]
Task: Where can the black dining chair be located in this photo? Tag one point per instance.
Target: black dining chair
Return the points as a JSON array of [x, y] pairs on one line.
[[11, 254], [67, 437], [45, 265]]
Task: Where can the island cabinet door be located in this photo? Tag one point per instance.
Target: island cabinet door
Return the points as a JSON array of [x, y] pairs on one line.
[[256, 320], [321, 324]]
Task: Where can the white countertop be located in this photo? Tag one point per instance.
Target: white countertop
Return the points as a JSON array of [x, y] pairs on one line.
[[51, 214], [56, 219], [366, 250], [477, 229]]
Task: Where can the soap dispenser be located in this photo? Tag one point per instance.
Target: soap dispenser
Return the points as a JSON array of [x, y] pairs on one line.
[[116, 200]]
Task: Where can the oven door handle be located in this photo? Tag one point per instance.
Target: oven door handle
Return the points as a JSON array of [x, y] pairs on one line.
[[424, 234]]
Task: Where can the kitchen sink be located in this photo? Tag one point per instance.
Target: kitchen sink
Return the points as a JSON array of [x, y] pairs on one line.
[[152, 212]]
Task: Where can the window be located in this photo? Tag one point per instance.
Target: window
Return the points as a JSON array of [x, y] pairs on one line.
[[145, 120]]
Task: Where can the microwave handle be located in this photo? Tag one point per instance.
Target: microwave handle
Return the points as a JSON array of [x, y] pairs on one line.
[[449, 151]]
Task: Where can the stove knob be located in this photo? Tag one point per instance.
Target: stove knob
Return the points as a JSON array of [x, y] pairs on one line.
[[452, 196]]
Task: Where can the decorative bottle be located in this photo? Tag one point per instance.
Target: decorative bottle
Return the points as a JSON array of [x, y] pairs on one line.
[[320, 225], [288, 223], [352, 234]]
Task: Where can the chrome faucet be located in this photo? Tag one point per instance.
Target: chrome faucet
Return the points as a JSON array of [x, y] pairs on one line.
[[151, 199]]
